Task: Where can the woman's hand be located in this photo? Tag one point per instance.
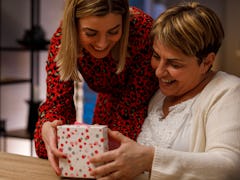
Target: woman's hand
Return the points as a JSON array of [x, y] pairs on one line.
[[125, 162], [49, 135]]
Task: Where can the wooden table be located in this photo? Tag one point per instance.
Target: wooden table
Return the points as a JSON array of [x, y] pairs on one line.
[[18, 167]]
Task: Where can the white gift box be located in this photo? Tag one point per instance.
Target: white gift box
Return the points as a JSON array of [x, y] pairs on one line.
[[79, 142]]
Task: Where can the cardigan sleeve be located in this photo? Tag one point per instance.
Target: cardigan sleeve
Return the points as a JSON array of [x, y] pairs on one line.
[[215, 153], [59, 104]]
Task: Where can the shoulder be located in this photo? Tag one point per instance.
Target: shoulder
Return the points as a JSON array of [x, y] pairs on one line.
[[138, 14], [139, 31], [55, 43], [224, 81], [57, 34], [140, 21], [221, 88], [56, 39]]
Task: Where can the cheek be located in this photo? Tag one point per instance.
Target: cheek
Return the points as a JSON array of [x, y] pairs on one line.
[[84, 40], [116, 38], [187, 81], [154, 63]]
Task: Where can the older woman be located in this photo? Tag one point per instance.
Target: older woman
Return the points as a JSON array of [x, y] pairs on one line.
[[193, 126]]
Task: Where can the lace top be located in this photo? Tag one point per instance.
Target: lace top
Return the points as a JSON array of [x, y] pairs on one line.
[[173, 131]]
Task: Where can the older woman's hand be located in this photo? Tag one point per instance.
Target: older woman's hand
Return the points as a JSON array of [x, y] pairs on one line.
[[126, 162], [49, 135]]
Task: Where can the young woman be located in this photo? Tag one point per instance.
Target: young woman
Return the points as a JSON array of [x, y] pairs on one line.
[[193, 126], [108, 44]]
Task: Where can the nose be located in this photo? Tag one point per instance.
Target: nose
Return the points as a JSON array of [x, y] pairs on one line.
[[161, 69], [102, 41]]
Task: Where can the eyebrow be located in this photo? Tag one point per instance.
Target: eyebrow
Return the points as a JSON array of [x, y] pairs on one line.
[[90, 29]]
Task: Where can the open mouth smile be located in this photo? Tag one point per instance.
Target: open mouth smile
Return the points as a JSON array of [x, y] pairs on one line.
[[167, 81], [99, 49]]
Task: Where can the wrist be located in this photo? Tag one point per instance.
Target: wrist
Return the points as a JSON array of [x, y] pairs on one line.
[[149, 157]]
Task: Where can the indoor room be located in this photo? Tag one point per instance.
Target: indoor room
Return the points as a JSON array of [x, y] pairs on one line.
[[26, 28]]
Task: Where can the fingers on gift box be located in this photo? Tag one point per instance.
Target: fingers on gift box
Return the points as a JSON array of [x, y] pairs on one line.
[[80, 142]]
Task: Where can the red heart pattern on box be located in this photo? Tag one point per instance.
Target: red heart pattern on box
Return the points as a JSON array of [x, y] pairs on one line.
[[80, 142]]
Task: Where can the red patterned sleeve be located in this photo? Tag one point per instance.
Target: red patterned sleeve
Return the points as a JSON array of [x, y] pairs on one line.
[[59, 104]]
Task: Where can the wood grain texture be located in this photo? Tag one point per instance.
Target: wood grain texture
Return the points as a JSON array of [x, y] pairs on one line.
[[18, 167]]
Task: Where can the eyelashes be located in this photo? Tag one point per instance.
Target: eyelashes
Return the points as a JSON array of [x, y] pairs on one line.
[[92, 34]]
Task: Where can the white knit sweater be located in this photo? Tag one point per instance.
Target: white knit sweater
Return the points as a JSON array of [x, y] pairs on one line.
[[214, 147]]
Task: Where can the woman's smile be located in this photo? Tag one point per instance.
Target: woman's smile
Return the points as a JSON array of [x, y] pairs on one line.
[[98, 49]]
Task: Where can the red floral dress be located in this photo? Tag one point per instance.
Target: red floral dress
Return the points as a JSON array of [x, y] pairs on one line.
[[122, 99]]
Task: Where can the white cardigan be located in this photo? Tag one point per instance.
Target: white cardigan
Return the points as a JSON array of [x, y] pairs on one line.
[[214, 152]]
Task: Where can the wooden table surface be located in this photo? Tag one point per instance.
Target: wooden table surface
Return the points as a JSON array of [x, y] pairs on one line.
[[18, 167]]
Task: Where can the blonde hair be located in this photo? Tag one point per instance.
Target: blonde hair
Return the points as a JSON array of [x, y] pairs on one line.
[[192, 28], [70, 45]]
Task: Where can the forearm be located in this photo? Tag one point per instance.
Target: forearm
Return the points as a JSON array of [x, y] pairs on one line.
[[46, 114], [59, 105], [170, 164]]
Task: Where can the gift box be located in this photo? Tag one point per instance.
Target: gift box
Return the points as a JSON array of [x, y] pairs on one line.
[[79, 142]]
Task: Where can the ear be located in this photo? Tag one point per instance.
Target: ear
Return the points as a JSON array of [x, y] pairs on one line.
[[208, 62]]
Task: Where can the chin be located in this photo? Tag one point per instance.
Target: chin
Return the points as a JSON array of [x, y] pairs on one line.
[[99, 55], [166, 93]]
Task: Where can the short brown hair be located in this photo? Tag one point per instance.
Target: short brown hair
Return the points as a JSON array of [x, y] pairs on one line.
[[190, 27]]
